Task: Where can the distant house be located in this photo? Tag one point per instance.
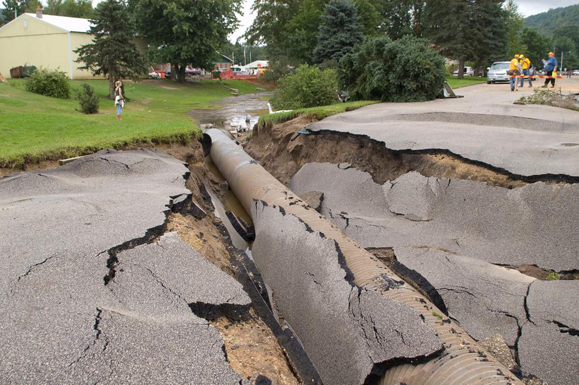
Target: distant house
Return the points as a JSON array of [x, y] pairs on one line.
[[46, 41]]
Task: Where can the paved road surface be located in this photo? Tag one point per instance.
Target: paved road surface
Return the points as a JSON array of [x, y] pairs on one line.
[[484, 126]]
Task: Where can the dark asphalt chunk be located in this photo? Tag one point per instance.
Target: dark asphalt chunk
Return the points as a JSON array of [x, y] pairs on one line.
[[526, 225], [485, 299], [345, 330], [59, 323], [549, 344]]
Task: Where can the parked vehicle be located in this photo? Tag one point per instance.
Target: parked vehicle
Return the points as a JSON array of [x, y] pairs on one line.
[[468, 71], [576, 72], [498, 72]]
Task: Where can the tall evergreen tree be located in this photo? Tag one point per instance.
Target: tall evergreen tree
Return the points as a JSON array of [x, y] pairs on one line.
[[467, 30], [112, 52], [339, 32], [15, 8], [186, 32]]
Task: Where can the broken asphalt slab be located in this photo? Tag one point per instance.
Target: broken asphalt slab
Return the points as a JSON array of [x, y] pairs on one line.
[[549, 344], [527, 225], [69, 228], [484, 127], [485, 299], [346, 331]]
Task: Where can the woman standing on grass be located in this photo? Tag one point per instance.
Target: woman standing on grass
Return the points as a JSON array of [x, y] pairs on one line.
[[119, 99]]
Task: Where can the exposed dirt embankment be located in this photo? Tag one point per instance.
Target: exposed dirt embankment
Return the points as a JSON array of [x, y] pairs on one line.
[[252, 348], [283, 152]]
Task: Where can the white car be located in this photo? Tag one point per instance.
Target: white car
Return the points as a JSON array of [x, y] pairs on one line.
[[576, 72]]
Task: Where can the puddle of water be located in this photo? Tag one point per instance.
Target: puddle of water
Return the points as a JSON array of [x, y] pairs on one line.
[[243, 111]]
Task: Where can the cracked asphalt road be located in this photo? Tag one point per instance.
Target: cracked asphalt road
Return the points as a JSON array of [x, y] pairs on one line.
[[484, 126], [456, 234], [346, 330], [64, 231]]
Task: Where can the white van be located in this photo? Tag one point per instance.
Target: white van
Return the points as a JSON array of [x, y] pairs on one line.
[[468, 71]]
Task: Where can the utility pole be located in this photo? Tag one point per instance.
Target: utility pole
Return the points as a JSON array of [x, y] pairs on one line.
[[244, 56]]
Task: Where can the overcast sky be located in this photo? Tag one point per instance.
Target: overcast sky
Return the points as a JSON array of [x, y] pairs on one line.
[[526, 7]]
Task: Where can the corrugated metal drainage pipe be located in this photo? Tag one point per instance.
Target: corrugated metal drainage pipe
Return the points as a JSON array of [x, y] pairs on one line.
[[462, 362]]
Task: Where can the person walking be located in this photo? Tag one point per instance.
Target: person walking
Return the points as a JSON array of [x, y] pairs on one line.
[[119, 99], [550, 67], [514, 71], [526, 66]]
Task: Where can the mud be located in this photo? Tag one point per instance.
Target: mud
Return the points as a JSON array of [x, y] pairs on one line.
[[274, 148]]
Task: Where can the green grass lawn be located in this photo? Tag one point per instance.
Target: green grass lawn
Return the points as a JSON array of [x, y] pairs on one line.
[[35, 127], [465, 82], [317, 113]]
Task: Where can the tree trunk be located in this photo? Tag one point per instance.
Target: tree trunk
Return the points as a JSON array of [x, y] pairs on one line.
[[174, 72], [111, 87], [182, 73], [461, 68]]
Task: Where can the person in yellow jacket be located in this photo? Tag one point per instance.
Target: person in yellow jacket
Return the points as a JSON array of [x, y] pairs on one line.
[[514, 70], [526, 67]]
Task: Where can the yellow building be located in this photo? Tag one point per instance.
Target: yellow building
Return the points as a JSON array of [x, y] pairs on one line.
[[46, 41]]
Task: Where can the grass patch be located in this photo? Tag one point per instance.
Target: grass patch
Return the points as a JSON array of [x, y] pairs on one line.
[[317, 113], [465, 82], [35, 127]]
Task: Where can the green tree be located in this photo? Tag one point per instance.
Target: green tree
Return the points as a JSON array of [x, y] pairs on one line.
[[566, 46], [402, 70], [112, 52], [473, 30], [515, 21], [185, 32], [270, 25], [370, 16], [538, 45], [302, 31], [571, 32], [14, 8], [70, 8], [339, 32]]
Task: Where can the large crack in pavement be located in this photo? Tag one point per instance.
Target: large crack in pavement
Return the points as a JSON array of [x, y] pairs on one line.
[[100, 329]]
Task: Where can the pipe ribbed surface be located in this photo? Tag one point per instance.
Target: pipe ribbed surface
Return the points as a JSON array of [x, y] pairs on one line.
[[462, 361]]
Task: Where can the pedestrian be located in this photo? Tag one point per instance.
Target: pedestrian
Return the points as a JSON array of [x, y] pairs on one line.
[[514, 71], [550, 67], [526, 66], [119, 98]]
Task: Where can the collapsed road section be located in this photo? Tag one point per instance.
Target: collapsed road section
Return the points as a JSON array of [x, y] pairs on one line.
[[358, 321], [486, 245], [100, 286]]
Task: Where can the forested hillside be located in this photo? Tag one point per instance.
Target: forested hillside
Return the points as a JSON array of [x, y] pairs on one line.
[[548, 22]]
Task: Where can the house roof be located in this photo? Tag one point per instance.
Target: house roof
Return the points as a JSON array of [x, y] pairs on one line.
[[69, 24]]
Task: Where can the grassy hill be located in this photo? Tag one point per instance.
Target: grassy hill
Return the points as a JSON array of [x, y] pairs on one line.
[[548, 22]]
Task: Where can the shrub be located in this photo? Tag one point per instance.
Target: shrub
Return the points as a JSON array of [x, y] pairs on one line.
[[53, 83], [405, 70], [306, 87], [89, 102]]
